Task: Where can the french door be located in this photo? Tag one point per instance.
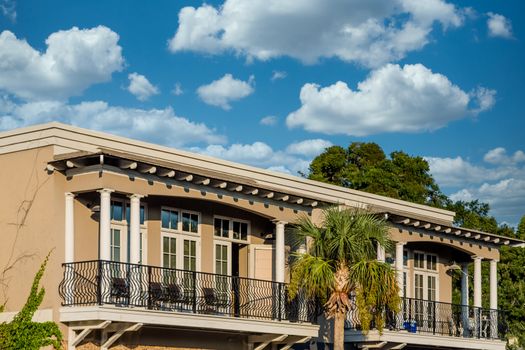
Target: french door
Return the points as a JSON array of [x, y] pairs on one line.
[[425, 294]]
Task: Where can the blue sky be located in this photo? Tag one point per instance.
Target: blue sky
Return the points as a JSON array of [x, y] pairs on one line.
[[271, 83]]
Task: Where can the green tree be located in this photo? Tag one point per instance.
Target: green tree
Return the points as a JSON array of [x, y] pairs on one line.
[[22, 332], [520, 231], [340, 260], [365, 167]]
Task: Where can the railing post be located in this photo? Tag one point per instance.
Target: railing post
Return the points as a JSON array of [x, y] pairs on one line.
[[149, 287], [194, 292], [434, 318], [236, 296], [99, 282], [280, 301]]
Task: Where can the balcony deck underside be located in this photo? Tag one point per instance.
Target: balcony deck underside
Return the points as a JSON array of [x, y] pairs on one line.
[[427, 341], [76, 315]]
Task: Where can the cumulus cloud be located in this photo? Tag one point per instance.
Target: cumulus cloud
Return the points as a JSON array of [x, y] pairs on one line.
[[293, 159], [278, 75], [225, 90], [499, 26], [499, 181], [392, 99], [140, 86], [308, 147], [499, 156], [367, 32], [155, 125], [269, 120], [74, 60]]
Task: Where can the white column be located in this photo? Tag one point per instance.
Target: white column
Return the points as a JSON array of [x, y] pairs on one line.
[[399, 267], [493, 284], [69, 247], [134, 229], [105, 224], [380, 253], [477, 281], [279, 251], [464, 299], [493, 298], [69, 229]]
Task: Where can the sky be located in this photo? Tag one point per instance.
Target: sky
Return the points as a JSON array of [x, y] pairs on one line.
[[272, 83]]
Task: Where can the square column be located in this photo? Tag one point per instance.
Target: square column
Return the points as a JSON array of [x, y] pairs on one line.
[[134, 229], [279, 251], [105, 224], [69, 228], [399, 267]]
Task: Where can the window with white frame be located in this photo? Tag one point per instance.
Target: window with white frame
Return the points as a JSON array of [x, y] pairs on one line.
[[120, 217], [232, 229], [115, 245], [426, 285]]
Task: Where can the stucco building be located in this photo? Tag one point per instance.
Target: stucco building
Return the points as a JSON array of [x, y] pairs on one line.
[[154, 247]]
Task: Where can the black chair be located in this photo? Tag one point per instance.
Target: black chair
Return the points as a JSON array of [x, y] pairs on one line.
[[119, 290]]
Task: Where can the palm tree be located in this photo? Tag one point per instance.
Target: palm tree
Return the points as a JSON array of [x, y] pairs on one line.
[[340, 261]]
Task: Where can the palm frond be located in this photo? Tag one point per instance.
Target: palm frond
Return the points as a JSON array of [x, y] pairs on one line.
[[312, 275]]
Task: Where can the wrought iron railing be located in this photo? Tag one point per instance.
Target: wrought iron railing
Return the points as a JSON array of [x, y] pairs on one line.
[[432, 317], [99, 282]]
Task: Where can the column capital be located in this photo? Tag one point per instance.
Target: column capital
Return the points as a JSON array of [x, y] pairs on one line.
[[136, 195], [494, 261], [70, 195], [400, 243], [105, 190], [281, 222], [476, 257]]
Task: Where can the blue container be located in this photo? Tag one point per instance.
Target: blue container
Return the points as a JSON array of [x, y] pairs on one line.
[[413, 327]]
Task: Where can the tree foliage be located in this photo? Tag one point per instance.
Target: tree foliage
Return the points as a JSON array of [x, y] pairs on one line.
[[22, 332], [340, 261]]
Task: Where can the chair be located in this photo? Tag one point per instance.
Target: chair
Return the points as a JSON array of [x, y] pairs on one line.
[[119, 289]]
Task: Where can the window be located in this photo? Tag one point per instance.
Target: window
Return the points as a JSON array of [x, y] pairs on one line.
[[240, 230], [115, 245], [190, 255], [222, 227], [405, 257], [419, 260], [190, 222], [169, 252], [116, 211], [169, 219], [431, 288], [221, 259], [431, 262], [418, 286], [142, 213]]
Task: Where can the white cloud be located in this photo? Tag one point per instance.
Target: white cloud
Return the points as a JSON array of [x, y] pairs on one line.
[[8, 8], [506, 198], [278, 75], [74, 60], [269, 120], [310, 148], [293, 159], [177, 89], [460, 172], [368, 32], [155, 125], [499, 26], [225, 90], [392, 99], [140, 86], [499, 156]]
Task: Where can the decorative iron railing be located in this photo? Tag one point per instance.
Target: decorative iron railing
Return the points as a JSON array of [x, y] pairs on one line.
[[432, 317], [99, 282]]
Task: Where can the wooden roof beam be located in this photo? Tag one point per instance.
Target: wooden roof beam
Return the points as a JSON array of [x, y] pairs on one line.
[[166, 172]]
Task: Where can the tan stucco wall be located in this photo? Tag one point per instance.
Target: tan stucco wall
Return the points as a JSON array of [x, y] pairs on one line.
[[31, 225]]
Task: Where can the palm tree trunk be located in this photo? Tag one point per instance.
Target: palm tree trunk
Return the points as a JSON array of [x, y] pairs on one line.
[[339, 331]]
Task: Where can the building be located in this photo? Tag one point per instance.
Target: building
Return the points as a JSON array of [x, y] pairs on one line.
[[158, 248]]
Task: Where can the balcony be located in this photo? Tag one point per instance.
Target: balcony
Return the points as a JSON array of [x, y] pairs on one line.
[[431, 318], [142, 287]]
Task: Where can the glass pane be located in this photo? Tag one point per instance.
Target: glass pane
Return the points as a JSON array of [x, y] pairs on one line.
[[165, 260], [405, 257], [217, 252], [192, 246], [236, 229], [165, 218], [128, 211], [173, 261], [218, 267], [224, 252], [186, 222], [173, 245], [217, 226], [174, 220], [116, 237], [142, 214], [194, 223], [186, 248], [244, 231], [116, 211], [165, 244], [226, 228], [116, 255]]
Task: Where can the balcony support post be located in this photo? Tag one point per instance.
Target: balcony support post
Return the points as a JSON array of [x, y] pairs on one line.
[[477, 294], [380, 253], [105, 224], [279, 251], [69, 246], [399, 268], [134, 229], [493, 298], [464, 299]]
